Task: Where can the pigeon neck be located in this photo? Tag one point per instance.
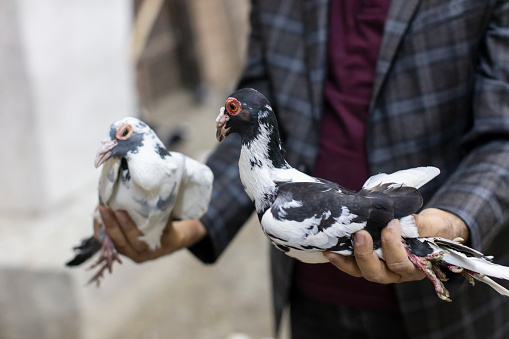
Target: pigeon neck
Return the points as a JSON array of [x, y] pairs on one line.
[[260, 159], [265, 145]]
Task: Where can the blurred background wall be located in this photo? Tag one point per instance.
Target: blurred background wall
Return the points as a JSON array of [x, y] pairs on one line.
[[64, 73], [68, 68]]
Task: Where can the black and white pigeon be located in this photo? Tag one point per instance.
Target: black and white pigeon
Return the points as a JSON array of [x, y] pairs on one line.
[[139, 175], [304, 216]]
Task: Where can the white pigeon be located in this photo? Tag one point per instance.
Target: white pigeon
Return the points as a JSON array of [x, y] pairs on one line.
[[305, 216], [139, 175]]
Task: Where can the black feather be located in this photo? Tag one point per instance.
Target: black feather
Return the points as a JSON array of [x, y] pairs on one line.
[[469, 252], [418, 248], [85, 251], [407, 200]]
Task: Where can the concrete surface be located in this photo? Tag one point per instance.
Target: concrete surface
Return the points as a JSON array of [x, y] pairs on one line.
[[47, 291]]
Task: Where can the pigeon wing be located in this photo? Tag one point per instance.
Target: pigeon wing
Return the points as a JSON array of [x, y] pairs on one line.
[[153, 199], [414, 177], [108, 180], [314, 217], [195, 190]]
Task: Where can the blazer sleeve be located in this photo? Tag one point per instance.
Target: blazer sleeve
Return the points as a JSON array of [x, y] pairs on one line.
[[478, 191], [230, 207]]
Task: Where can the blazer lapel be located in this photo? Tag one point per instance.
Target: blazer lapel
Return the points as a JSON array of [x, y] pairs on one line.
[[400, 14]]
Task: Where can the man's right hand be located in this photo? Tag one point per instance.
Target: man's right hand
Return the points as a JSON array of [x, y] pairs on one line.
[[125, 235]]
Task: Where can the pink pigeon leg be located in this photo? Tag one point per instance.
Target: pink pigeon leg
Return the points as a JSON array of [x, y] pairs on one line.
[[108, 255]]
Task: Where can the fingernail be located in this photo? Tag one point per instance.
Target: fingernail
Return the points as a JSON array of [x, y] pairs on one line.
[[359, 239], [392, 223]]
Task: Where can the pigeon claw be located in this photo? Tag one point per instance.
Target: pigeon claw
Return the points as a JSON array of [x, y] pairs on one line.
[[430, 266], [108, 255], [469, 275]]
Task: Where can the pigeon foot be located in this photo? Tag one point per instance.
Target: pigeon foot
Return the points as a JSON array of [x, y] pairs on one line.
[[108, 255], [428, 265]]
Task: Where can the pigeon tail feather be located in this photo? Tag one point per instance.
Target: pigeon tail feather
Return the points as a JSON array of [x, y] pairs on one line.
[[413, 177], [459, 255], [477, 265], [407, 200], [85, 251], [497, 287]]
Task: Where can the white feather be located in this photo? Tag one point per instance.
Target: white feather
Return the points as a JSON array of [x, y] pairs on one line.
[[497, 287], [196, 188], [414, 177], [408, 228], [477, 265], [108, 179], [310, 257]]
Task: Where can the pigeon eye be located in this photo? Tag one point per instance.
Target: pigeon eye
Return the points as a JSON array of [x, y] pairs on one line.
[[124, 132], [233, 106]]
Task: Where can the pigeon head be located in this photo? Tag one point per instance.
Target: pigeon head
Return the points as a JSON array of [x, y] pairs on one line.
[[125, 137], [243, 113]]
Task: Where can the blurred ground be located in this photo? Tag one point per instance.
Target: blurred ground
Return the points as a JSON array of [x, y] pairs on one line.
[[206, 301]]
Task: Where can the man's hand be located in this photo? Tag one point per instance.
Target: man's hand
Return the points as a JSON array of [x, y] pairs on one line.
[[397, 267], [125, 235]]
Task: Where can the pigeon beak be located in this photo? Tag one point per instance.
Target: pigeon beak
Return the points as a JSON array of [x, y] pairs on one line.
[[222, 132], [104, 152]]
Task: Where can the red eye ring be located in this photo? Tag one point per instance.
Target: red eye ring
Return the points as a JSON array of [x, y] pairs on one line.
[[124, 132], [233, 106]]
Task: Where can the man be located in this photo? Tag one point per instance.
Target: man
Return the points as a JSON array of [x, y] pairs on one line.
[[421, 83]]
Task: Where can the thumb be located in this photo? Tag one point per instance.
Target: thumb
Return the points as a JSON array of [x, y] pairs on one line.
[[434, 222], [425, 222]]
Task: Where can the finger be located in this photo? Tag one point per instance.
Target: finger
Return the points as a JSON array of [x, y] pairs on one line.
[[168, 229], [395, 254], [424, 224], [345, 264], [131, 232], [432, 222], [372, 268], [115, 232], [170, 237]]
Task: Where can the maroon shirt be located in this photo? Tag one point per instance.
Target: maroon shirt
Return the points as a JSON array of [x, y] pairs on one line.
[[355, 34]]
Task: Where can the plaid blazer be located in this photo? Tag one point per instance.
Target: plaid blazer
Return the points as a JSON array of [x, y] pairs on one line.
[[441, 98]]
